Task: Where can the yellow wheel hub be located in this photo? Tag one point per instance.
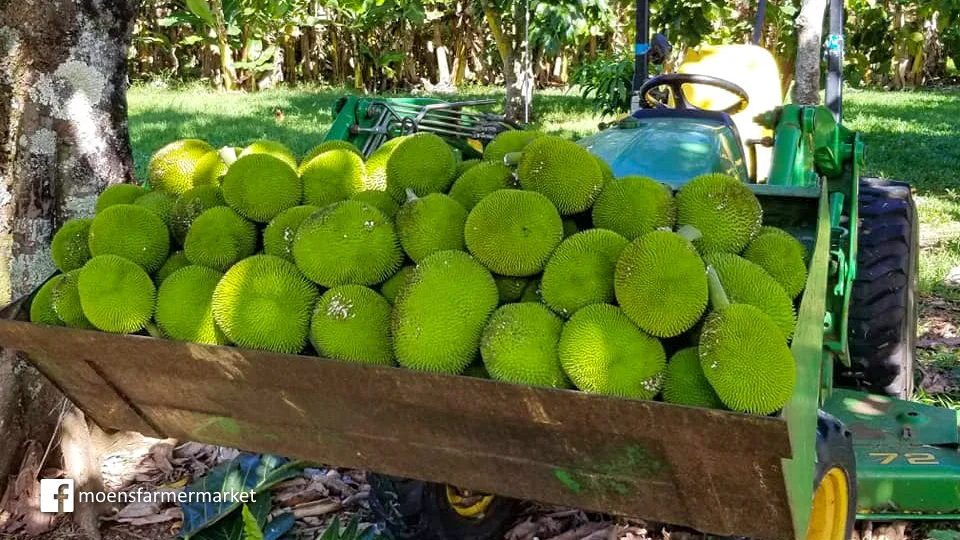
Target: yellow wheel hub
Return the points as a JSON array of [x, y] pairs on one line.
[[467, 504], [828, 519]]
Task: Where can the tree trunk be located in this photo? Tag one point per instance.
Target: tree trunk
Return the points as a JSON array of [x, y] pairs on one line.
[[63, 139], [510, 42], [228, 76], [806, 89]]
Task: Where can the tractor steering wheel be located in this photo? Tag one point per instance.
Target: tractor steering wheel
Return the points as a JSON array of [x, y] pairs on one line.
[[675, 82]]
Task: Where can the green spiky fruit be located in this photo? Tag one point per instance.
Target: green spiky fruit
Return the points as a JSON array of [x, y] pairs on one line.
[[510, 288], [581, 271], [508, 142], [185, 306], [441, 312], [605, 170], [173, 168], [66, 301], [423, 162], [723, 209], [41, 307], [563, 171], [513, 232], [260, 186], [782, 256], [116, 295], [603, 352], [330, 145], [190, 205], [634, 205], [519, 345], [218, 238], [279, 234], [270, 148], [476, 370], [685, 384], [160, 203], [263, 302], [430, 224], [480, 181], [132, 232], [377, 166], [531, 293], [391, 288], [334, 175], [347, 243], [352, 323], [748, 283], [745, 357], [118, 194], [176, 261], [70, 247], [381, 200], [466, 165], [661, 283], [209, 170]]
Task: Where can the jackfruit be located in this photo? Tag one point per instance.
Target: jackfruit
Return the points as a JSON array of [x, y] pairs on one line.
[[430, 224], [440, 314], [513, 232], [270, 148], [218, 238], [118, 194], [173, 168], [563, 171], [782, 256], [185, 306], [377, 167], [391, 288], [507, 142], [381, 200], [348, 242], [263, 302], [570, 227], [41, 307], [190, 205], [330, 145], [476, 370], [209, 170], [661, 283], [519, 345], [132, 232], [605, 170], [70, 249], [581, 270], [116, 294], [333, 176], [352, 323], [723, 209], [160, 203], [510, 288], [604, 353], [423, 162], [634, 205], [466, 165], [480, 181], [176, 261], [259, 186], [748, 283], [66, 301], [531, 293], [685, 384], [279, 234]]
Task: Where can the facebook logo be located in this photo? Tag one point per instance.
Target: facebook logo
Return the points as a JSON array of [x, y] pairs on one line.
[[56, 495]]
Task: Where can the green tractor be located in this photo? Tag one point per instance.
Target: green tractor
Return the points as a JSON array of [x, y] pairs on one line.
[[847, 446]]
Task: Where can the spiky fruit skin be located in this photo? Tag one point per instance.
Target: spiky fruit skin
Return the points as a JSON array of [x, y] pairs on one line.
[[41, 307], [132, 232], [430, 224], [335, 175], [326, 146], [510, 288], [746, 359], [391, 288], [279, 234], [507, 142], [348, 242], [465, 166], [381, 200], [260, 186], [563, 171], [603, 352], [440, 314], [519, 345], [270, 148], [352, 323], [513, 232], [118, 194], [209, 170], [185, 306], [264, 302], [172, 168], [783, 257], [581, 271], [220, 237], [634, 205], [531, 293], [423, 162], [116, 295], [377, 167], [723, 209], [70, 248], [748, 283], [661, 283], [66, 301], [685, 384], [190, 205], [160, 203], [605, 170], [176, 261], [478, 182]]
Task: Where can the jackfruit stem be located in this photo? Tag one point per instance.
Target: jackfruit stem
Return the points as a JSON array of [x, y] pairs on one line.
[[411, 195], [228, 154], [511, 159], [690, 232], [154, 331], [718, 296]]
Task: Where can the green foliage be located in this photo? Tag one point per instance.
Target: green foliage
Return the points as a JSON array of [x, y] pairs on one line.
[[607, 82]]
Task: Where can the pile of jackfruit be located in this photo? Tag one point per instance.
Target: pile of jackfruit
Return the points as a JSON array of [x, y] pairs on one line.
[[532, 265]]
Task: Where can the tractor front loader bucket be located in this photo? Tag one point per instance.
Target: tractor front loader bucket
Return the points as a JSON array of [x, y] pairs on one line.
[[718, 472]]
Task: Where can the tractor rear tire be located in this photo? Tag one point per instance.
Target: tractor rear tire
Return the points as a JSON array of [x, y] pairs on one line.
[[883, 305], [834, 510]]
